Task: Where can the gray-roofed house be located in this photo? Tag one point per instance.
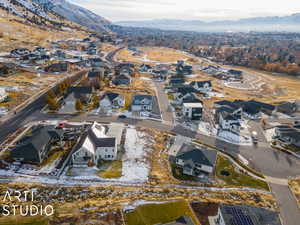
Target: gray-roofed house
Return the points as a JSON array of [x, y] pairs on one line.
[[35, 146], [202, 86], [95, 145], [84, 93], [57, 67], [142, 103], [244, 215], [112, 100], [196, 162], [288, 135], [122, 79]]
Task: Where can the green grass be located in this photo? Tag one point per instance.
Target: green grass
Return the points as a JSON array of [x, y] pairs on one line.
[[151, 214], [236, 178], [113, 171], [23, 221]]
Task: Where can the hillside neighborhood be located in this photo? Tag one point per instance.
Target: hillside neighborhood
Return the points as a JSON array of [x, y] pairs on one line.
[[111, 131]]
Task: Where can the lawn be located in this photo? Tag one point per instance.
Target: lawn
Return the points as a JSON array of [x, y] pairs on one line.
[[151, 214], [236, 178], [113, 171]]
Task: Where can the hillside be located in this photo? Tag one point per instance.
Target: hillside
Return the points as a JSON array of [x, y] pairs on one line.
[[16, 31], [76, 14], [276, 23]]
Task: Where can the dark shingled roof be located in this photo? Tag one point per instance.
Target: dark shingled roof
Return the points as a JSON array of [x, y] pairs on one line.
[[196, 155], [101, 142], [111, 96]]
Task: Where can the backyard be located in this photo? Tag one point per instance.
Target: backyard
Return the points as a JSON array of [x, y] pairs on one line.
[[227, 173], [151, 214]]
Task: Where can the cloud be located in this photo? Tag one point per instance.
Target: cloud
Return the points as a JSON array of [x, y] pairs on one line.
[[117, 10]]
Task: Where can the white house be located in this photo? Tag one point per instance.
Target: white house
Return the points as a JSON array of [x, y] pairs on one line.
[[3, 94], [202, 86], [193, 110], [112, 101], [95, 145], [142, 103]]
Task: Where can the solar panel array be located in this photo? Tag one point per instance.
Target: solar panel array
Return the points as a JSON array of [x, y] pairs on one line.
[[239, 217]]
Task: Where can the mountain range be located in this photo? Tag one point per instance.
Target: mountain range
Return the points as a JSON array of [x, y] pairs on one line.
[[284, 23]]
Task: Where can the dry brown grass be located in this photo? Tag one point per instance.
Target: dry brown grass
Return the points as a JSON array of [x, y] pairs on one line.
[[295, 187], [155, 54], [16, 34]]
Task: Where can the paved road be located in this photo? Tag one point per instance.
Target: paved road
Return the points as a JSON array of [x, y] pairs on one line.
[[289, 210], [164, 104]]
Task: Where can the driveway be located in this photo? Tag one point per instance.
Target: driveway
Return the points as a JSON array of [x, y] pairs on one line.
[[164, 104]]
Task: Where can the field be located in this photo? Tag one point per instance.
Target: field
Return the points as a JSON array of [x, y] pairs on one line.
[[151, 214], [152, 55], [28, 84], [236, 178], [295, 188]]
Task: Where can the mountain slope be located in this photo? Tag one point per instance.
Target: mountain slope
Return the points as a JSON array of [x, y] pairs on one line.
[[76, 14], [26, 24], [284, 23]]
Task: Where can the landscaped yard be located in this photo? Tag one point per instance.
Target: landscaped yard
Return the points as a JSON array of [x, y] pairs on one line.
[[226, 172], [114, 170], [151, 214]]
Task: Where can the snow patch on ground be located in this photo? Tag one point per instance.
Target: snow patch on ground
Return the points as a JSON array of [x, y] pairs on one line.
[[135, 164], [269, 134]]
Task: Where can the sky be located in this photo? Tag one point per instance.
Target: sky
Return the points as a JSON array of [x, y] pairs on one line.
[[208, 10]]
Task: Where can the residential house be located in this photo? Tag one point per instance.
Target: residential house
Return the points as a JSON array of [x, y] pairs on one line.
[[35, 146], [202, 86], [244, 215], [288, 135], [142, 103], [176, 81], [96, 62], [112, 100], [95, 76], [144, 68], [7, 68], [184, 92], [3, 94], [196, 162], [287, 108], [192, 111], [95, 145], [122, 80], [57, 67], [253, 109], [84, 93], [183, 69]]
